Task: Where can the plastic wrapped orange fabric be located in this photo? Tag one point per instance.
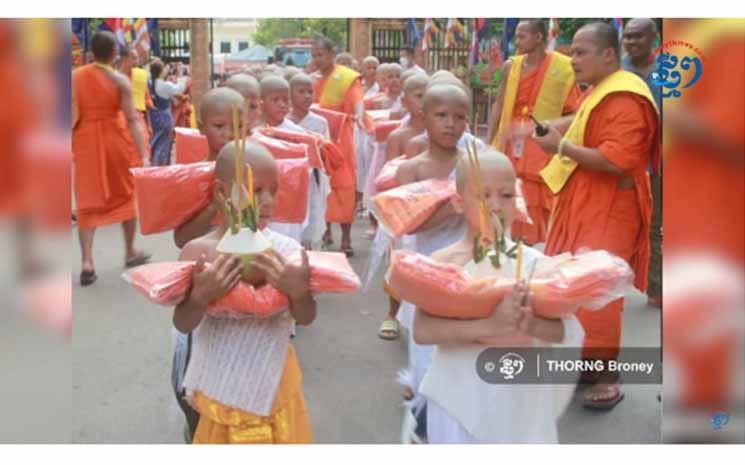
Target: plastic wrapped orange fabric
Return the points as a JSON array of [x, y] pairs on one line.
[[386, 179], [168, 196], [190, 145], [166, 283], [384, 128], [403, 209], [312, 141], [281, 149], [335, 119], [561, 285]]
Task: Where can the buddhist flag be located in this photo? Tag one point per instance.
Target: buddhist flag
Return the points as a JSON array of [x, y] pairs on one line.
[[479, 30], [553, 33], [455, 31], [508, 31], [430, 33], [413, 32]]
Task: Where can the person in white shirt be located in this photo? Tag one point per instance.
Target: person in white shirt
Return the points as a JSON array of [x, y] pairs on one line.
[[406, 59]]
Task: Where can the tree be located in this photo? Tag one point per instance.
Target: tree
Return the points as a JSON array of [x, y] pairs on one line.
[[270, 30]]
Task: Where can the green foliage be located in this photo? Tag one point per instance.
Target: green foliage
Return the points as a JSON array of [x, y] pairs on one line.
[[270, 30]]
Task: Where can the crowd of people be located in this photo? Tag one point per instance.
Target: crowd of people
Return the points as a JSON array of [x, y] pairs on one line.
[[585, 182]]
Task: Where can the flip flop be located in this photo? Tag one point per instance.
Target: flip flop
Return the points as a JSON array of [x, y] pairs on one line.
[[88, 277], [388, 326], [605, 404], [348, 251], [140, 259]]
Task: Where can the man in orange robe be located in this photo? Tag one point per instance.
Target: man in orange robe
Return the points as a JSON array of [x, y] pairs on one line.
[[129, 61], [339, 89], [106, 143], [535, 62], [605, 202]]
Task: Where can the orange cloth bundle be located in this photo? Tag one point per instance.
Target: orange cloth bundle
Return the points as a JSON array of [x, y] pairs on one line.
[[314, 142], [280, 149], [384, 128], [168, 196], [561, 285], [386, 179], [191, 146], [166, 283], [403, 209], [335, 119]]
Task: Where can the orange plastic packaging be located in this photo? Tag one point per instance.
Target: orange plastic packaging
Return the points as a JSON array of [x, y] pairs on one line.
[[384, 128], [403, 209], [166, 283], [314, 142], [190, 145], [335, 120], [386, 179], [280, 149], [560, 286], [168, 196]]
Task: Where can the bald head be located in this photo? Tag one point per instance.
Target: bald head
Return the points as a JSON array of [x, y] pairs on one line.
[[272, 83], [300, 79], [645, 25], [289, 72], [416, 81], [220, 99], [535, 26], [370, 60], [495, 167], [638, 39], [262, 163], [602, 34], [446, 93], [245, 84], [345, 59]]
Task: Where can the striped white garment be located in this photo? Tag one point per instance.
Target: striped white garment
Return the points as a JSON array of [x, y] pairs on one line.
[[239, 362]]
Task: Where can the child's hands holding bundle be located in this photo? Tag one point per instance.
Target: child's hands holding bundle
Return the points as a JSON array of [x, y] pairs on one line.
[[213, 282], [292, 280]]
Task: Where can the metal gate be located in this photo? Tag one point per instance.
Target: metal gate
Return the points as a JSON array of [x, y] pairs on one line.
[[174, 45], [387, 44]]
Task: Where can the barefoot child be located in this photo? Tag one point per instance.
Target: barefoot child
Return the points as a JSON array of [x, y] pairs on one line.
[[461, 407], [397, 140], [243, 377], [446, 108]]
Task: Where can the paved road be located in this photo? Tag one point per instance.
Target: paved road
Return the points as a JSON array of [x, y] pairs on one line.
[[122, 354]]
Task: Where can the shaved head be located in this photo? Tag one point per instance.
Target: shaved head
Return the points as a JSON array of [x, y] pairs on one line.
[[446, 93], [370, 59], [604, 36], [245, 84], [535, 26], [415, 81], [289, 72], [301, 79], [218, 99], [272, 83], [261, 160], [493, 164], [344, 58], [644, 24]]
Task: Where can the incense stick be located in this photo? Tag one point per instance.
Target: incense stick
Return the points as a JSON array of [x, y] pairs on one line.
[[519, 261], [238, 182]]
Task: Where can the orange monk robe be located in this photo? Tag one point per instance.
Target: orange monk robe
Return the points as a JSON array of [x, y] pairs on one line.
[[538, 197], [103, 151], [591, 213], [340, 203]]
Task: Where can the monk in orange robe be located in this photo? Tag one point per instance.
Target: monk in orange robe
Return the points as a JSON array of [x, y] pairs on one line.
[[128, 65], [339, 89], [605, 202], [106, 143], [532, 96]]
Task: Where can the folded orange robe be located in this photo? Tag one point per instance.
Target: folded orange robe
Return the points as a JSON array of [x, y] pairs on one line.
[[537, 196], [340, 203], [590, 211], [103, 151]]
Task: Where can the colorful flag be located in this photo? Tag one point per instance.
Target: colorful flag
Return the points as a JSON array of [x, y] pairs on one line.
[[508, 31], [553, 33], [413, 32], [130, 31], [480, 26], [431, 29], [455, 31]]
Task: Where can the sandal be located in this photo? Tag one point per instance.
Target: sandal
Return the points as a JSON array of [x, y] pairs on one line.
[[389, 330], [606, 403], [88, 277], [348, 251], [327, 240], [140, 259]]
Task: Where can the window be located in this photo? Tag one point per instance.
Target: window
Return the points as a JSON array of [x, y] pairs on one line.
[[224, 47], [242, 45]]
